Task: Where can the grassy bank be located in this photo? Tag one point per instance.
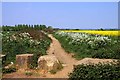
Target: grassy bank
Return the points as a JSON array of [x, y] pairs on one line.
[[89, 45]]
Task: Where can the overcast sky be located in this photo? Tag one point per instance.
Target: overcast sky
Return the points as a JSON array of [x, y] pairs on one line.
[[82, 15]]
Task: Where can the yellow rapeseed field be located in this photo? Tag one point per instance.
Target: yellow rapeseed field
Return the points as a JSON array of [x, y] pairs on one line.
[[109, 33]]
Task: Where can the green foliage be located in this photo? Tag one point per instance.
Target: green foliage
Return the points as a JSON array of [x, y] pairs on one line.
[[96, 72], [21, 27], [24, 42], [53, 71], [28, 73], [9, 70], [99, 49]]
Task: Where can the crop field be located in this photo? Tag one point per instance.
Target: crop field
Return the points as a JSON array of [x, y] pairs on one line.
[[24, 42], [85, 44], [106, 32], [41, 41]]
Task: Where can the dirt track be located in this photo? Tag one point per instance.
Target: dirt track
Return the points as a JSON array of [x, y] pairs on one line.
[[65, 58], [68, 60]]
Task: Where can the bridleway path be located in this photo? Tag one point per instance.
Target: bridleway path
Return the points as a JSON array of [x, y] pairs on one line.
[[65, 58]]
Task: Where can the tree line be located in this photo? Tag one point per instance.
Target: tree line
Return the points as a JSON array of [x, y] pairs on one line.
[[20, 27]]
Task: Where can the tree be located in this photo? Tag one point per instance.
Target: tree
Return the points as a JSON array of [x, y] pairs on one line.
[[50, 27]]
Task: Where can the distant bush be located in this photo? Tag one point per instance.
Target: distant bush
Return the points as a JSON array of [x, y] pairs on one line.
[[96, 72]]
